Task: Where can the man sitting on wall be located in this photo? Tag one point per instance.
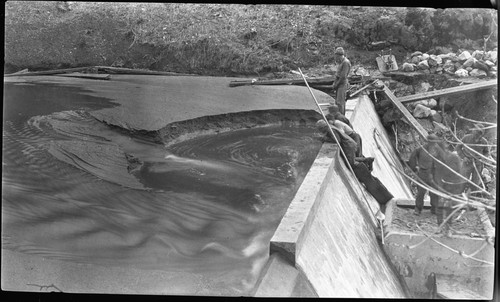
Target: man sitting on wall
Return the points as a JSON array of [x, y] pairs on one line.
[[351, 133], [334, 113], [361, 166]]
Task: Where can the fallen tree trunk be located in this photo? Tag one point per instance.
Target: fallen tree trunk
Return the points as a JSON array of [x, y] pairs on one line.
[[313, 82]]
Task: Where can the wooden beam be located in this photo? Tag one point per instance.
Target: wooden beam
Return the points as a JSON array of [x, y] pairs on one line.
[[92, 76], [46, 72], [409, 117], [449, 91], [107, 69], [319, 81]]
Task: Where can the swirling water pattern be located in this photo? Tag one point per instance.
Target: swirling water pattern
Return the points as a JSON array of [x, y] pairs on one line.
[[207, 206]]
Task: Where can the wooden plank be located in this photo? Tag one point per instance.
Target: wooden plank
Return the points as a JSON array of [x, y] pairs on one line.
[[318, 83], [449, 91], [323, 81], [86, 76], [410, 203], [46, 72], [100, 68], [409, 117], [138, 71]]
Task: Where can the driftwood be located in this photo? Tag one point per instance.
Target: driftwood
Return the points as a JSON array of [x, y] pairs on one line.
[[122, 70], [94, 70], [46, 72], [322, 82], [91, 76]]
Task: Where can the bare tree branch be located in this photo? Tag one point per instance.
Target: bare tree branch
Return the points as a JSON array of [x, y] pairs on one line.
[[474, 202]]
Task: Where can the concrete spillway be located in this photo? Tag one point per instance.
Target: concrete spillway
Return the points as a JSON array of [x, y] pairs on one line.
[[327, 234]]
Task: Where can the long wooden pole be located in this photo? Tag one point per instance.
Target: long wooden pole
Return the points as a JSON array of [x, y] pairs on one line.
[[335, 138]]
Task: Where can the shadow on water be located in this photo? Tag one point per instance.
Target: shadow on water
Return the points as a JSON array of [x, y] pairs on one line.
[[205, 207]]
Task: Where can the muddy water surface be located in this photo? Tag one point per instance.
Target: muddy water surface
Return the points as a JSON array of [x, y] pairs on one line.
[[74, 189]]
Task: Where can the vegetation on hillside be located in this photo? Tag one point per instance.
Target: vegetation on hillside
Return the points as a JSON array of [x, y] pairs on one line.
[[221, 39]]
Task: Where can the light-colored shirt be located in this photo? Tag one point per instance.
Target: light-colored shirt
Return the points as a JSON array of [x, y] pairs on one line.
[[343, 126]]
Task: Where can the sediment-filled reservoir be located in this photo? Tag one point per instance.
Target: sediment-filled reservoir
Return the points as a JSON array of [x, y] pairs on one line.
[[78, 190]]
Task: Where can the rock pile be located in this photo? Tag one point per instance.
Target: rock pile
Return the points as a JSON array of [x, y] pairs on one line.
[[464, 64]]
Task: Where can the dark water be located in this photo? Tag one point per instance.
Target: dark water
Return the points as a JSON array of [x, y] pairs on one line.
[[207, 206]]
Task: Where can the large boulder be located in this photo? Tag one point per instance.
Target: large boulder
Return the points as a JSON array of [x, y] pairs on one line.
[[449, 67], [435, 60], [423, 87], [478, 54], [430, 103], [469, 62], [425, 56], [465, 55], [423, 65], [408, 67], [359, 70], [415, 60], [436, 116], [462, 73], [453, 57], [491, 55], [489, 63], [481, 65], [421, 111], [478, 73], [416, 54]]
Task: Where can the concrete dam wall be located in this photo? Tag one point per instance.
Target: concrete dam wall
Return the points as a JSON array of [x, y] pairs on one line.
[[327, 234]]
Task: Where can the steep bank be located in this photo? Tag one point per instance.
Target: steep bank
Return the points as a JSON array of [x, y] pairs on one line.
[[213, 39]]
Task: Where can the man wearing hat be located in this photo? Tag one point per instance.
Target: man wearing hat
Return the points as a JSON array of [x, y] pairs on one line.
[[334, 114], [340, 83], [361, 166], [346, 143], [478, 143], [351, 133], [423, 164]]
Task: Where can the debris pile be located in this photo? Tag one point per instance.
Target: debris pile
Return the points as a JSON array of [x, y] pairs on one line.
[[478, 64]]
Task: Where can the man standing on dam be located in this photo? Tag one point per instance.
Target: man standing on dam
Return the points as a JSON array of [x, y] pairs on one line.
[[422, 162], [341, 83]]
